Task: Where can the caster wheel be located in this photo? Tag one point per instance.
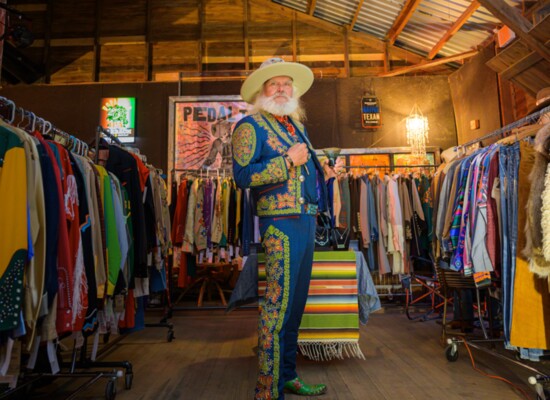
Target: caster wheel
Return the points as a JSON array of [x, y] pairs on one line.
[[170, 336], [451, 352], [128, 379], [110, 390]]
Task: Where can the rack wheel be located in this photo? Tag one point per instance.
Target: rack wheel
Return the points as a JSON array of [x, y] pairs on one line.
[[451, 352], [128, 379], [110, 389], [170, 335]]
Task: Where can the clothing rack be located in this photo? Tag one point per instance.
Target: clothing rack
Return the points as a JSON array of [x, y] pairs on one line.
[[226, 172], [390, 166], [506, 129], [46, 128], [29, 379], [163, 323]]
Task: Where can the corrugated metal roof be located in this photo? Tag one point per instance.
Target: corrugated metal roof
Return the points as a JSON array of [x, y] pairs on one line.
[[377, 16], [427, 25], [339, 12], [300, 5]]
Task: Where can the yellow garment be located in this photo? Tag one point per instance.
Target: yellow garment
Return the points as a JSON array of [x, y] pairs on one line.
[[14, 235], [531, 308], [13, 206]]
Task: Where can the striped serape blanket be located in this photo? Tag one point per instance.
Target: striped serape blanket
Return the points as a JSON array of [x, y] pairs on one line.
[[330, 324]]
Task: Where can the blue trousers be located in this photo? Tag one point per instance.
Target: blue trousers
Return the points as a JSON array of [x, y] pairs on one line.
[[288, 243]]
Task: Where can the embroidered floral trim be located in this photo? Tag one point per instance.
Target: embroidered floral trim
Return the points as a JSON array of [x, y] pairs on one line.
[[274, 306], [273, 128], [274, 171], [244, 143], [285, 202]]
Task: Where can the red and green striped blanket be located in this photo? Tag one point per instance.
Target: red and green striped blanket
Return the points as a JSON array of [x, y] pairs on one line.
[[330, 324]]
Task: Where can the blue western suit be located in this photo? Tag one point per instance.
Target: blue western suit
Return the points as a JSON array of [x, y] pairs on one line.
[[287, 201]]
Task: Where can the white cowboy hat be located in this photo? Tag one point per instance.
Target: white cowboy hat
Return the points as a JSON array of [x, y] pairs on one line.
[[301, 75]]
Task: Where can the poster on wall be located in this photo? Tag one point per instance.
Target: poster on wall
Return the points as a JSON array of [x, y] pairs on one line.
[[118, 114], [201, 130], [370, 112]]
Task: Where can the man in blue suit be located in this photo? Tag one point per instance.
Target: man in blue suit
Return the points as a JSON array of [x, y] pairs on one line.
[[273, 156]]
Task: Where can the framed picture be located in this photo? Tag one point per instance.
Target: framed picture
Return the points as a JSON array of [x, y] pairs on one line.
[[118, 114], [200, 130]]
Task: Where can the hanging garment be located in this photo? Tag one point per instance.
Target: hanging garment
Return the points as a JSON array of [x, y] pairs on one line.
[[531, 298], [14, 231]]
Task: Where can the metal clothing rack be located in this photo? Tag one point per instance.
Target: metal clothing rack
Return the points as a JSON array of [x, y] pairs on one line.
[[390, 166], [505, 130], [29, 379], [163, 323], [540, 380], [34, 123]]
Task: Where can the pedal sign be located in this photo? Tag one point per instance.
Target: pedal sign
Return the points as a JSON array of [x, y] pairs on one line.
[[370, 112]]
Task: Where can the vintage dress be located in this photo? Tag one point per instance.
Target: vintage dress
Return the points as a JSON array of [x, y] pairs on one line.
[[286, 202]]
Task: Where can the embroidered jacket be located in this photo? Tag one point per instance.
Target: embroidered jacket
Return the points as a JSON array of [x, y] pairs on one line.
[[259, 144]]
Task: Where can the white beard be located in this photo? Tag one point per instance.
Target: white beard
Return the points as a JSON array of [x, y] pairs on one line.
[[271, 106]]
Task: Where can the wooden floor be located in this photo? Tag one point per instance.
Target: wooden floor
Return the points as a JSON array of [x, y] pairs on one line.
[[212, 357]]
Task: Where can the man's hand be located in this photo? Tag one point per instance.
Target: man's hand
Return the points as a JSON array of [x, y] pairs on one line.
[[298, 153]]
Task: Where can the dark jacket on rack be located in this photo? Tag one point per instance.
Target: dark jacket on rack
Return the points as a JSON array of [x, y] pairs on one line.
[[124, 166]]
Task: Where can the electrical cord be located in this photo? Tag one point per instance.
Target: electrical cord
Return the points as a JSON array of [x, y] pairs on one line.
[[500, 378]]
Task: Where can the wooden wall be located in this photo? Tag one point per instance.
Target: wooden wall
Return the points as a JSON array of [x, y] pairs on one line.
[[333, 108], [475, 97], [144, 40]]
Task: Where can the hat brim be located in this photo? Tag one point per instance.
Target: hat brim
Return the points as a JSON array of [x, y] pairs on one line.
[[539, 107], [301, 75]]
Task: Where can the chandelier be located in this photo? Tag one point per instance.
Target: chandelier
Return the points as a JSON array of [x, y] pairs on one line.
[[417, 132]]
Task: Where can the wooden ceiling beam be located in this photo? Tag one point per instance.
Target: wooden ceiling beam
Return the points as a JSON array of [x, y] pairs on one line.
[[311, 7], [459, 23], [430, 64], [515, 21], [358, 37], [201, 45], [521, 65], [246, 19], [294, 39], [356, 15], [399, 24]]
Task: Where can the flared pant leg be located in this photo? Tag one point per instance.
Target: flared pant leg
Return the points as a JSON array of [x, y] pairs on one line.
[[289, 244]]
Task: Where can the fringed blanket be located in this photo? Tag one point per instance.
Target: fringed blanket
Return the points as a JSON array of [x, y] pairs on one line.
[[330, 324]]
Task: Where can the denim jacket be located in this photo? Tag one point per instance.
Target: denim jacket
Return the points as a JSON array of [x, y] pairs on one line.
[[259, 144]]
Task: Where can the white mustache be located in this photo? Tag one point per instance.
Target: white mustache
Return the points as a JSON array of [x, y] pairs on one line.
[[280, 94]]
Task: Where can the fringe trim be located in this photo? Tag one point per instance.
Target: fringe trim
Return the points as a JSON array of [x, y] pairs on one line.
[[325, 351], [546, 216]]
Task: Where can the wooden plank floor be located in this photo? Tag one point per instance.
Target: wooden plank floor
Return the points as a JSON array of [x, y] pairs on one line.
[[212, 357]]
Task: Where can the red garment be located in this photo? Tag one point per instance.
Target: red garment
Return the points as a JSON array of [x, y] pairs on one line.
[[286, 123], [129, 320], [72, 221], [142, 170], [180, 215]]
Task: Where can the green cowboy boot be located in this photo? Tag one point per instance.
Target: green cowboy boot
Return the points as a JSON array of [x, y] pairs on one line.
[[297, 386]]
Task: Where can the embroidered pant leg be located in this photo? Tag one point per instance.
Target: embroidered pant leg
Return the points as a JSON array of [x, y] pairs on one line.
[[302, 246], [288, 242]]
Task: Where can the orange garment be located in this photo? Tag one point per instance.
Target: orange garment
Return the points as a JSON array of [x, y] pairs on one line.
[[531, 309]]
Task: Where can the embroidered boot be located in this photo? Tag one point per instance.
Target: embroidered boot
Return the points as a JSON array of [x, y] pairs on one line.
[[297, 386]]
